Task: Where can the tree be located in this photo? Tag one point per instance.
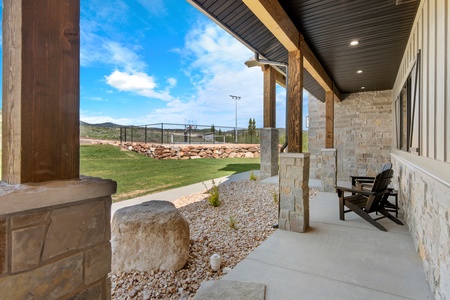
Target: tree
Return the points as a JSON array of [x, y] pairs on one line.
[[251, 128], [213, 129]]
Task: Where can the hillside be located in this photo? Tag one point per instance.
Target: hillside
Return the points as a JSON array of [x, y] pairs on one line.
[[103, 131]]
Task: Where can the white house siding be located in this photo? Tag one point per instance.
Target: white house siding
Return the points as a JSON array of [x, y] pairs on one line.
[[423, 178]]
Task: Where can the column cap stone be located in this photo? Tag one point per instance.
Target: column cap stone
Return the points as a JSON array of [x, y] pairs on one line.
[[328, 150], [295, 155], [23, 197]]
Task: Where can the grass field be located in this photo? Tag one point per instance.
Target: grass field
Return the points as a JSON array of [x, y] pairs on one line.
[[137, 175]]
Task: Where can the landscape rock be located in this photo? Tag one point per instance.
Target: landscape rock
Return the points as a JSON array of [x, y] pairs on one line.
[[250, 202], [151, 236], [193, 152]]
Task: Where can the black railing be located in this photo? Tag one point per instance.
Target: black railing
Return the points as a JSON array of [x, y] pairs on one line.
[[169, 133]]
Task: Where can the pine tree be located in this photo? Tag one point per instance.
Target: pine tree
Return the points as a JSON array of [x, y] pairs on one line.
[[213, 129]]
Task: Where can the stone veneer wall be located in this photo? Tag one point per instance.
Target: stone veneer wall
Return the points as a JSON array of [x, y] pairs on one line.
[[363, 133], [55, 240], [425, 204]]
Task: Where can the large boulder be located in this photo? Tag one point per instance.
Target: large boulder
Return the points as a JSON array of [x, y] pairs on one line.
[[151, 236]]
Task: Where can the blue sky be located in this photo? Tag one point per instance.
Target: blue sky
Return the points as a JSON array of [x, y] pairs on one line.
[[152, 61]]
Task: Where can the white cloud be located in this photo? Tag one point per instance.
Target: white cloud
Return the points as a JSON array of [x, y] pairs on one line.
[[154, 7], [215, 65], [172, 82], [216, 70], [137, 82], [124, 81], [98, 117]]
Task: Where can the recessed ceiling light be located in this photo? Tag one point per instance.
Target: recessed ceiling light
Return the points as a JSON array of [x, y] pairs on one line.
[[354, 43], [363, 87], [359, 71]]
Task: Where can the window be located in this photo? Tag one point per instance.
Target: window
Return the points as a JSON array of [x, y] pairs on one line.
[[407, 107]]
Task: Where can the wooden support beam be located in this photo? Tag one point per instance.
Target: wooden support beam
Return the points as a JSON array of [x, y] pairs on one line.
[[41, 50], [280, 79], [273, 16], [269, 97], [329, 103], [295, 101]]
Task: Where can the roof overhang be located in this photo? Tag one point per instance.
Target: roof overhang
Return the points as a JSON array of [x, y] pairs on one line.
[[326, 28]]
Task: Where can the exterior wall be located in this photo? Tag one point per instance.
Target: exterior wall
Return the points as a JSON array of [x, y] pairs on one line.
[[316, 135], [363, 133], [54, 240], [425, 203], [269, 152], [424, 177], [430, 35]]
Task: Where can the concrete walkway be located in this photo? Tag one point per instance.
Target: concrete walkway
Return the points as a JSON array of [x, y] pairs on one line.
[[336, 260], [174, 194]]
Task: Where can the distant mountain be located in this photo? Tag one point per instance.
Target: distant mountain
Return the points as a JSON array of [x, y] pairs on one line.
[[107, 124]]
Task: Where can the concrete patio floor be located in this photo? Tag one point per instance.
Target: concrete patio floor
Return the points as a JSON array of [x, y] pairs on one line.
[[336, 259]]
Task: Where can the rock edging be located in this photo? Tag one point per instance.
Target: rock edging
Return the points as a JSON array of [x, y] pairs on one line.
[[193, 151]]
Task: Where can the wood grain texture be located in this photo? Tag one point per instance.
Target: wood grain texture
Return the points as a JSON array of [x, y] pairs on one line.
[[273, 16], [43, 90], [329, 136], [269, 97], [295, 101]]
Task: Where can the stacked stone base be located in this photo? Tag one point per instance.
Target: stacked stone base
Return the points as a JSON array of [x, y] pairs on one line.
[[294, 192], [54, 240]]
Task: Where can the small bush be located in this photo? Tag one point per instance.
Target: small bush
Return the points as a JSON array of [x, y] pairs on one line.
[[253, 176], [213, 192], [233, 223], [275, 197]]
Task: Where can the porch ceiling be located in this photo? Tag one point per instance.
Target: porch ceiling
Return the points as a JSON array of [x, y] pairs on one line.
[[328, 26]]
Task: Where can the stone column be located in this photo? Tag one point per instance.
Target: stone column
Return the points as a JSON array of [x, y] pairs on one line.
[[329, 170], [55, 239], [269, 152], [294, 192]]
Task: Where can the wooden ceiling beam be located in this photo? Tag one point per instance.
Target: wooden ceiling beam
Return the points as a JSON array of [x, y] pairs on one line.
[[273, 16]]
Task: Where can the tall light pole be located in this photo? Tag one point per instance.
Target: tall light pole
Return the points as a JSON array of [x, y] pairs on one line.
[[235, 128]]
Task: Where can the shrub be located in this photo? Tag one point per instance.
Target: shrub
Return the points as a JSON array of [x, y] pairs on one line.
[[275, 196], [253, 176], [233, 223], [213, 192]]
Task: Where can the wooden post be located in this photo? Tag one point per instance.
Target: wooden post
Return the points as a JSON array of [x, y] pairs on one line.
[[295, 101], [329, 102], [41, 49], [269, 97]]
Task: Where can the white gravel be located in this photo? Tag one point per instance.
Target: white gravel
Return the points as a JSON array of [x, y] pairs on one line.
[[250, 203]]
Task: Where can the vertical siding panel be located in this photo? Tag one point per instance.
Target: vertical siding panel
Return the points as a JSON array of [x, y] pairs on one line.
[[447, 83], [421, 85], [424, 112], [431, 78], [439, 80]]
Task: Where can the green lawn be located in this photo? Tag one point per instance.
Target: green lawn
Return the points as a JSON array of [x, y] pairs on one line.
[[137, 175]]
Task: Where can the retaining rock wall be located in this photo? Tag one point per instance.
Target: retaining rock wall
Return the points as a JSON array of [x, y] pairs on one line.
[[194, 151]]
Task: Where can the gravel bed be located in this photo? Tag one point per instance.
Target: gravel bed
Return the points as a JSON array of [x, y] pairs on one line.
[[250, 203]]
